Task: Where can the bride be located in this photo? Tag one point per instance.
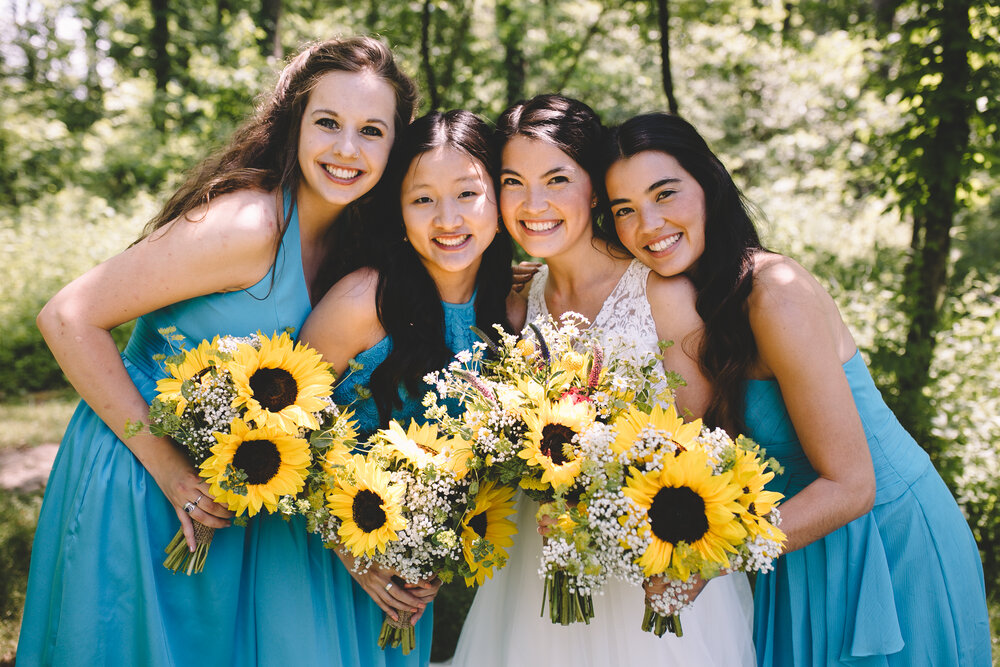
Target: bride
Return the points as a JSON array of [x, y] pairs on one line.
[[550, 206]]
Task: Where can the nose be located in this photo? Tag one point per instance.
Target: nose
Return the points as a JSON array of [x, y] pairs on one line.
[[346, 145], [534, 200], [649, 219], [448, 214]]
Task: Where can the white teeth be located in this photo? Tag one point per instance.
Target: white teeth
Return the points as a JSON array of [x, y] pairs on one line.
[[540, 225], [451, 241], [339, 172], [664, 243]]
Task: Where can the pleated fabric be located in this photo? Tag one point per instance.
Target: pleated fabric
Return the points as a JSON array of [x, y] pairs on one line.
[[901, 585]]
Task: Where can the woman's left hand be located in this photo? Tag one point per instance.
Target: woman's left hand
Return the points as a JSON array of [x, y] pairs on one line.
[[658, 585]]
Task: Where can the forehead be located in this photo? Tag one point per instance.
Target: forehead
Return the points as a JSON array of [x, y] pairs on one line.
[[526, 156], [362, 93], [443, 164], [641, 169]]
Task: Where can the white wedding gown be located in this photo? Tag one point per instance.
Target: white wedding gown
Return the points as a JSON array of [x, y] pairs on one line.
[[505, 626]]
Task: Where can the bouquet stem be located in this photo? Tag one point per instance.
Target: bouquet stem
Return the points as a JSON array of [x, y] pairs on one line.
[[398, 633], [658, 624], [180, 558], [566, 605]]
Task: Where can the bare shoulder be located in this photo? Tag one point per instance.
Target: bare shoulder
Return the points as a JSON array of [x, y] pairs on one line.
[[672, 302], [345, 321], [354, 294], [243, 220], [780, 280]]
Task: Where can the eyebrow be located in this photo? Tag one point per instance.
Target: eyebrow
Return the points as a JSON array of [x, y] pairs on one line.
[[550, 172], [654, 186], [333, 113], [464, 179]]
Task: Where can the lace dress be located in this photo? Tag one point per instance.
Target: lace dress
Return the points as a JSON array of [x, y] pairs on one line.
[[505, 627]]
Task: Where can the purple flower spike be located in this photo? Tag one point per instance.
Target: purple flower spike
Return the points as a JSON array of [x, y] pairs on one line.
[[478, 385], [595, 370]]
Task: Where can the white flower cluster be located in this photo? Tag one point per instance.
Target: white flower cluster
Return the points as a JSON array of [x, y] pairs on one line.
[[562, 555], [429, 539], [209, 409], [675, 598]]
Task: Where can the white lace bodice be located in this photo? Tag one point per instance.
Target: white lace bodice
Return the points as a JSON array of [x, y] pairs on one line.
[[624, 323]]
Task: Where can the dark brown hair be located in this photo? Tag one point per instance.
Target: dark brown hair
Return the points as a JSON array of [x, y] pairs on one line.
[[263, 152]]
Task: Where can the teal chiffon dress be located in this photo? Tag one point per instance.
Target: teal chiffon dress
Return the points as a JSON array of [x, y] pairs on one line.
[[98, 594], [351, 390], [901, 585]]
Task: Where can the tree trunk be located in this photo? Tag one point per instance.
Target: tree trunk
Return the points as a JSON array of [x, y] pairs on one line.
[[159, 38], [513, 60], [425, 54], [270, 23], [885, 15], [663, 16], [933, 219]]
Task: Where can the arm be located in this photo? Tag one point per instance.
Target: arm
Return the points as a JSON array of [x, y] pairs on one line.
[[178, 262], [343, 325], [671, 301], [803, 342]]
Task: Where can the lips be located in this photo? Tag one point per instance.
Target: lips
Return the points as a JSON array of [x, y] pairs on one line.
[[342, 173], [664, 243]]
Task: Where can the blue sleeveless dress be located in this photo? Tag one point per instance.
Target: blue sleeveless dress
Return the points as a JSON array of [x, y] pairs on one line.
[[98, 593], [901, 585], [458, 318]]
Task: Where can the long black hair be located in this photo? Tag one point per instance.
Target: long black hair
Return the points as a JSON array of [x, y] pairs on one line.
[[723, 275], [572, 127], [408, 302]]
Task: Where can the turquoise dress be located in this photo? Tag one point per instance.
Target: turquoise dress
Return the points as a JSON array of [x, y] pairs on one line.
[[98, 593], [458, 336], [901, 585]]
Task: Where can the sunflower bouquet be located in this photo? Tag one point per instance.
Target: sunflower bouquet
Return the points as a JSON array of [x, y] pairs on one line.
[[531, 403], [253, 413], [692, 502], [411, 505]]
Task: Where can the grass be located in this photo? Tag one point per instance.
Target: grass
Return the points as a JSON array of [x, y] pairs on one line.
[[18, 516], [37, 419]]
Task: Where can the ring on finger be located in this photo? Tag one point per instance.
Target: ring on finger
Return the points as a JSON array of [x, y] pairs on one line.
[[388, 586], [200, 496], [188, 506]]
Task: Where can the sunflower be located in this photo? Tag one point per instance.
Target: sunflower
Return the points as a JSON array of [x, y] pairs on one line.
[[267, 462], [281, 383], [549, 439], [684, 503], [666, 421], [488, 519], [421, 445], [196, 363], [756, 502], [369, 507]]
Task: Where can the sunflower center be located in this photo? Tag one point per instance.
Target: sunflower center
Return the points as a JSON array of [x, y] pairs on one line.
[[677, 514], [554, 437], [478, 524], [367, 511], [274, 388], [259, 459]]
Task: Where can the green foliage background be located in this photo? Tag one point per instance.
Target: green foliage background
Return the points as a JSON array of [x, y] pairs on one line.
[[816, 107]]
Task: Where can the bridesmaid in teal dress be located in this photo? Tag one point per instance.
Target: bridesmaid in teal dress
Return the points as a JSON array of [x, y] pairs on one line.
[[234, 251], [880, 566], [445, 267]]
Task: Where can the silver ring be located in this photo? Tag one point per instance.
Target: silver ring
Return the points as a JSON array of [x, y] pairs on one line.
[[200, 496], [188, 506], [388, 586]]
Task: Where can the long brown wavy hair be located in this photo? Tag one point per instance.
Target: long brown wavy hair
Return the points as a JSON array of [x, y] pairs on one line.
[[723, 275], [264, 151]]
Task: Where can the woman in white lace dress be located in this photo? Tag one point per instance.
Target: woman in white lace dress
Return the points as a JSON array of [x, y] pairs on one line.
[[550, 205]]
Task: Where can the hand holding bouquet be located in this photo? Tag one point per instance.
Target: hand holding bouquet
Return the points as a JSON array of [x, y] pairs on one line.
[[410, 505], [246, 410]]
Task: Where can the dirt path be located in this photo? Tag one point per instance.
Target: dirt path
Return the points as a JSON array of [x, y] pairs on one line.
[[26, 468]]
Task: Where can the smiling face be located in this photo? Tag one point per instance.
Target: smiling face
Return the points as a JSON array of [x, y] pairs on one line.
[[659, 211], [345, 136], [450, 212], [545, 198]]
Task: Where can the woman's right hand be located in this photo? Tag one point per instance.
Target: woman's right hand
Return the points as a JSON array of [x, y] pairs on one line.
[[181, 484], [385, 587]]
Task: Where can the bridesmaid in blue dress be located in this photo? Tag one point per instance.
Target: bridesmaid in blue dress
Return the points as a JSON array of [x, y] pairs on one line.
[[880, 566], [234, 251], [445, 267]]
